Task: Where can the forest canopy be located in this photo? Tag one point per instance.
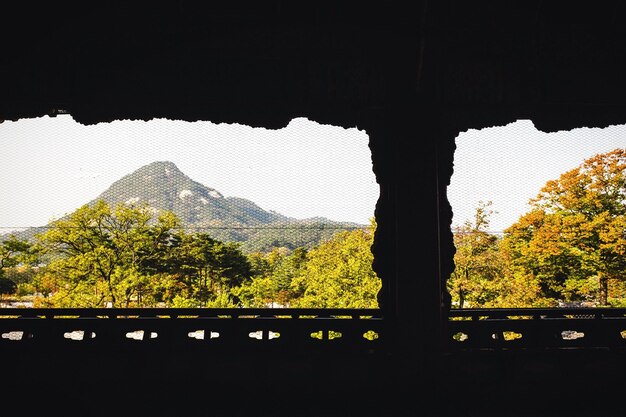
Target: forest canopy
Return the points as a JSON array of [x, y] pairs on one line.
[[130, 256], [567, 250]]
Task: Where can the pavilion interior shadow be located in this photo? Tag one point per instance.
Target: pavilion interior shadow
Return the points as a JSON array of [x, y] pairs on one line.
[[412, 76]]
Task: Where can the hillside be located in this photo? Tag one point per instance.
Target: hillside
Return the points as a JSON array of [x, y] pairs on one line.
[[162, 186]]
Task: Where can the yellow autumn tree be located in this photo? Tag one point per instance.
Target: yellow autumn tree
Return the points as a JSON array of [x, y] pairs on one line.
[[573, 240]]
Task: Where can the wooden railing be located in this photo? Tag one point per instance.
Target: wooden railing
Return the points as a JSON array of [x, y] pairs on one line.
[[227, 330], [306, 330], [554, 328]]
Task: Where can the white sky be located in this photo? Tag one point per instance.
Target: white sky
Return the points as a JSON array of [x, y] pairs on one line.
[[51, 166], [509, 165]]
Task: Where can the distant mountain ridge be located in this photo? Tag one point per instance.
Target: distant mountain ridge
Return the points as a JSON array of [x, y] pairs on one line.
[[162, 186]]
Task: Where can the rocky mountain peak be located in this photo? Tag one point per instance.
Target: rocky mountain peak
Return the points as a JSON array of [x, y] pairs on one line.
[[167, 168], [164, 187]]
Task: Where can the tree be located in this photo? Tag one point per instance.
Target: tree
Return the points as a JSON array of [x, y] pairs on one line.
[[338, 273], [573, 240], [7, 287], [476, 261], [208, 268], [100, 253], [284, 273], [272, 276], [13, 252]]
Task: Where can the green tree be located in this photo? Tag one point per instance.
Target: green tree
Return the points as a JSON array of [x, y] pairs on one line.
[[208, 268], [14, 252], [7, 287], [99, 254], [338, 273], [477, 262], [573, 238], [272, 276], [284, 273]]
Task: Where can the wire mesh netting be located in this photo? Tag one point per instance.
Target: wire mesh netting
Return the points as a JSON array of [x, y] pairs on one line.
[[181, 213]]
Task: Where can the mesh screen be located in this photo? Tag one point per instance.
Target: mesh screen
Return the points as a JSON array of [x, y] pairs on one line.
[[266, 192], [512, 252]]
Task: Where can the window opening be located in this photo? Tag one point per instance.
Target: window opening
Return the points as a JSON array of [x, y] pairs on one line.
[[539, 219], [169, 213]]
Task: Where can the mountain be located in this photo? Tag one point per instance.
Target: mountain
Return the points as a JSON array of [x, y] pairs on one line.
[[163, 187]]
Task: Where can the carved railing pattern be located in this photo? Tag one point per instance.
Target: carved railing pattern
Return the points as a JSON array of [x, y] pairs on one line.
[[301, 330], [534, 328], [306, 330]]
